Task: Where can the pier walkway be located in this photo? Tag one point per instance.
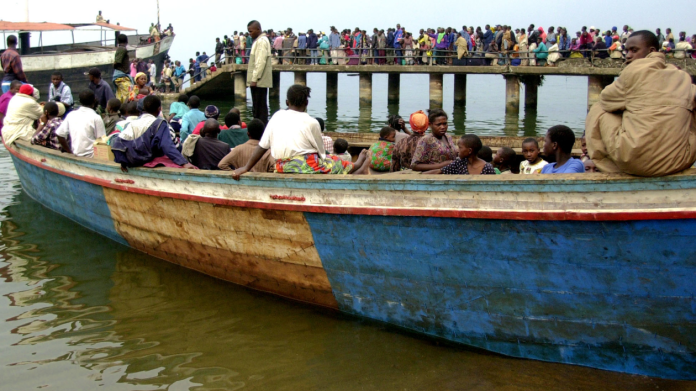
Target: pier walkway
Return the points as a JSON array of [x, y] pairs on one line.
[[230, 80]]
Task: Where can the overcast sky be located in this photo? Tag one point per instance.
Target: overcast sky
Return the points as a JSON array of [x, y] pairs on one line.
[[197, 23]]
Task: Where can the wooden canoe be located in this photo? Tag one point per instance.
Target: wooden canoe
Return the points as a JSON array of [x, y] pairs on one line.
[[588, 269]]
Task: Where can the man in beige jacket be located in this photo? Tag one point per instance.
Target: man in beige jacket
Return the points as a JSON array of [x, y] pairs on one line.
[[260, 71], [644, 123]]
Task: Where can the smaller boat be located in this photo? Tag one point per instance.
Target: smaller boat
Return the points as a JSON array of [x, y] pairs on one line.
[[74, 59]]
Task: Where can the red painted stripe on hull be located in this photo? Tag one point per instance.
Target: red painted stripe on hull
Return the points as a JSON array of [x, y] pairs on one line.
[[463, 214]]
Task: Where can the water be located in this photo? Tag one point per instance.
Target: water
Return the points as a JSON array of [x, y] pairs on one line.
[[562, 100], [80, 312]]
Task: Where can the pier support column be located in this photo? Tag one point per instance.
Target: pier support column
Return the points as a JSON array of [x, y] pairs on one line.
[[394, 87], [531, 87], [595, 85], [274, 93], [436, 94], [301, 78], [239, 86], [332, 86], [459, 88], [512, 94], [366, 88]]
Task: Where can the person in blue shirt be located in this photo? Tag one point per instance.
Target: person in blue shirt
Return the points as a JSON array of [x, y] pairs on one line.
[[398, 36], [312, 44], [465, 34], [487, 37], [390, 45], [191, 119], [559, 143], [197, 68], [301, 49]]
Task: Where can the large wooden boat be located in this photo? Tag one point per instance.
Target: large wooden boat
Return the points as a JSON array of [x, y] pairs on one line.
[[594, 269]]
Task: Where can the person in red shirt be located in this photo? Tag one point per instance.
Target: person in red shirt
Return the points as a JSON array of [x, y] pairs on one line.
[[11, 64]]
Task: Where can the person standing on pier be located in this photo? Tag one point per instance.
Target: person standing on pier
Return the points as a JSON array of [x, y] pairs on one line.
[[259, 75]]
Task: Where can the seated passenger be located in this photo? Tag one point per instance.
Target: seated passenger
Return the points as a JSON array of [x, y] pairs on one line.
[[504, 159], [209, 151], [59, 92], [437, 149], [240, 154], [533, 163], [210, 111], [557, 146], [22, 112], [5, 100], [644, 123], [112, 115], [191, 119], [381, 151], [234, 135], [583, 147], [83, 126], [468, 162], [397, 123], [294, 139], [46, 132], [402, 155], [177, 110], [328, 141], [156, 142], [590, 166], [132, 114], [341, 150]]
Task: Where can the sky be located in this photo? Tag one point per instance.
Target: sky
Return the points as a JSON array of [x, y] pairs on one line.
[[198, 23]]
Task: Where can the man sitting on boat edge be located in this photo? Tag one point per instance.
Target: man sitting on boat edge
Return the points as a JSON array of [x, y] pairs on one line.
[[644, 123], [294, 138], [151, 148]]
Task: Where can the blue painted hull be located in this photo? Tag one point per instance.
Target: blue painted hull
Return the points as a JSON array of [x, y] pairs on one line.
[[615, 295]]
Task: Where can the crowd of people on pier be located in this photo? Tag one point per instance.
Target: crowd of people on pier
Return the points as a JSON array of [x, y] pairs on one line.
[[644, 124]]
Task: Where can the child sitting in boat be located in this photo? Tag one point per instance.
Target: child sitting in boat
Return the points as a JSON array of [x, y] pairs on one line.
[[328, 141], [558, 145], [46, 132], [294, 139], [504, 159], [112, 115], [381, 151], [341, 150], [132, 114], [533, 163], [468, 162]]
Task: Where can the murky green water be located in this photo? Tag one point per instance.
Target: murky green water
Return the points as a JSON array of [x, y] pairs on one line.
[[80, 312], [562, 100]]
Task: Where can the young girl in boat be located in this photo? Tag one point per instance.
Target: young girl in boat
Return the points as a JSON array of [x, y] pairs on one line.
[[468, 162], [504, 159], [533, 163], [381, 151]]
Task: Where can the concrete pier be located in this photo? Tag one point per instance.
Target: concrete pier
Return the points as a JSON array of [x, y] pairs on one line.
[[366, 88], [274, 92], [332, 86], [595, 85], [436, 94], [240, 86], [512, 94], [459, 89], [301, 78], [531, 88], [394, 88]]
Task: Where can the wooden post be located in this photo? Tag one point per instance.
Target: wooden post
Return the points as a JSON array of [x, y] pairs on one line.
[[274, 93], [239, 86], [531, 86], [512, 94], [459, 88], [436, 94], [331, 85], [366, 88], [301, 78], [394, 88]]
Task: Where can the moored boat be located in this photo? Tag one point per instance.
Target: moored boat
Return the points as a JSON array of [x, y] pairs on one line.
[[591, 269]]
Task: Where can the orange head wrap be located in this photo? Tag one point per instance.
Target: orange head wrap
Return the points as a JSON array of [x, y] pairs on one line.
[[419, 122]]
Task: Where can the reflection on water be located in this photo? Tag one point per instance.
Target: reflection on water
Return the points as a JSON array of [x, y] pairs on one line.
[[78, 311], [561, 100]]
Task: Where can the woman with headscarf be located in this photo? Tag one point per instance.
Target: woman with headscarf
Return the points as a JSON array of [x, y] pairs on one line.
[[542, 35], [402, 154], [140, 82], [22, 112]]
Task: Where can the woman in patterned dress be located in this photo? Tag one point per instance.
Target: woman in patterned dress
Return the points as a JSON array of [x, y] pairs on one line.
[[437, 149]]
